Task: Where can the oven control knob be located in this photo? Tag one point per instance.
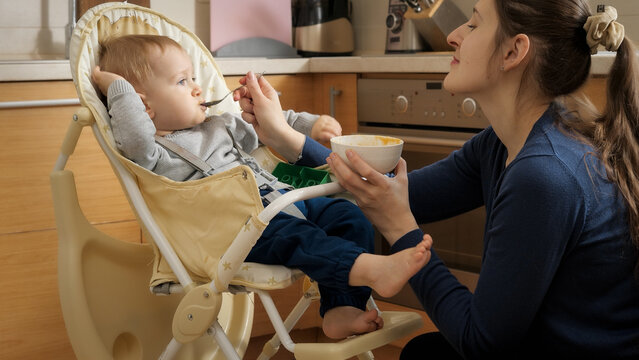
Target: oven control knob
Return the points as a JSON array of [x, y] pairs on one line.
[[469, 106], [401, 104], [394, 22]]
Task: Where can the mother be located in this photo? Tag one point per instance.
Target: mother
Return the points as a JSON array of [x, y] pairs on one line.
[[560, 185]]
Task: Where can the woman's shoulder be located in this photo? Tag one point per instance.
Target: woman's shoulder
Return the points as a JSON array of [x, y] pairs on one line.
[[556, 163]]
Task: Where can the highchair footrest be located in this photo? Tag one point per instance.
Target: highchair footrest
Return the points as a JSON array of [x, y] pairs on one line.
[[397, 325], [195, 313]]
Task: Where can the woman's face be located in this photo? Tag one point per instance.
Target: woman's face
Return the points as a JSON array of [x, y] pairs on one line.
[[471, 70]]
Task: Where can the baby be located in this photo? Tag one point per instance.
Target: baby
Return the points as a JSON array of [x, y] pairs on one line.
[[151, 91]]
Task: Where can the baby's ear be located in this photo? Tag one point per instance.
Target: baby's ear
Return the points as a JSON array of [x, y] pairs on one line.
[[146, 106]]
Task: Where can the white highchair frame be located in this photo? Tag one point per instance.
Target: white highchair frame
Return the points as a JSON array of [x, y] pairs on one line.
[[397, 324], [242, 243]]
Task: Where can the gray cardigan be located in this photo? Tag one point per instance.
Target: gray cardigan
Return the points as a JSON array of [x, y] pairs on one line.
[[134, 133]]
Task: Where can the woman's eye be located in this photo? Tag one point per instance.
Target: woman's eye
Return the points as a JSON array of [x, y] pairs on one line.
[[471, 27]]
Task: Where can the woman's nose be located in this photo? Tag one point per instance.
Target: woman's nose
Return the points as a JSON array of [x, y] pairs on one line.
[[454, 39]]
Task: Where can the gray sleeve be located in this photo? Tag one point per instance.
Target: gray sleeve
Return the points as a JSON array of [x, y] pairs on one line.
[[243, 133], [302, 121], [133, 130]]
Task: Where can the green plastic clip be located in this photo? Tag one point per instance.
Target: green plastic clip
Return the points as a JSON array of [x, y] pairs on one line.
[[300, 176]]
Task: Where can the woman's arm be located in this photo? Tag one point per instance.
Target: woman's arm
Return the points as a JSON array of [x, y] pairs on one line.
[[262, 109], [532, 221]]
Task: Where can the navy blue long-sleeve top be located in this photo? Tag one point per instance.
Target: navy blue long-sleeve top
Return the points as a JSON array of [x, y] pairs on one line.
[[557, 265]]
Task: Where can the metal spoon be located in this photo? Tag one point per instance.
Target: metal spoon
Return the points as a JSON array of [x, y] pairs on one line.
[[215, 102]]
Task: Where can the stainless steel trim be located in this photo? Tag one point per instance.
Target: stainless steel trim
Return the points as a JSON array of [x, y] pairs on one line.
[[332, 93], [38, 103], [432, 141]]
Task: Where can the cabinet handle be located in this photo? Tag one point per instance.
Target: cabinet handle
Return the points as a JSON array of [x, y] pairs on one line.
[[332, 93], [37, 103]]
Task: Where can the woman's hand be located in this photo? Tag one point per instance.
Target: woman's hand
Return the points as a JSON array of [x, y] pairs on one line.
[[261, 108], [325, 128], [384, 200], [103, 79]]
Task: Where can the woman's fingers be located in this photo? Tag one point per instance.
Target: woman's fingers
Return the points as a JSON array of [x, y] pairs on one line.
[[249, 118], [246, 104], [352, 181], [254, 87]]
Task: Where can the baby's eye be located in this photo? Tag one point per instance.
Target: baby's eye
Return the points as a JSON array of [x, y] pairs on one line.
[[193, 79], [182, 82]]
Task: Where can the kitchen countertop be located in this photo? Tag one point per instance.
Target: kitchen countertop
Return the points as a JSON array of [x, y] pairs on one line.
[[33, 70]]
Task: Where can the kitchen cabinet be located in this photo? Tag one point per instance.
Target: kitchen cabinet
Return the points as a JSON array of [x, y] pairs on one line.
[[31, 323]]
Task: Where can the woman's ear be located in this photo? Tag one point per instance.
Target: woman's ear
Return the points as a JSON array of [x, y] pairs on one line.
[[147, 108], [515, 51]]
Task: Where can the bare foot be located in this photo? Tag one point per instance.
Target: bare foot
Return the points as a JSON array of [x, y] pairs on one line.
[[387, 274], [344, 321]]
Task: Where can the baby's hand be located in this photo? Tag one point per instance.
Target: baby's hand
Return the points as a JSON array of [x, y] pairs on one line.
[[325, 128], [104, 79]]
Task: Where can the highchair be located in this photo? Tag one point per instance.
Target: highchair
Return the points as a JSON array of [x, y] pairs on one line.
[[108, 309]]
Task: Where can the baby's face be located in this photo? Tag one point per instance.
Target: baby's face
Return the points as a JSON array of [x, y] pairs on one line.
[[171, 94]]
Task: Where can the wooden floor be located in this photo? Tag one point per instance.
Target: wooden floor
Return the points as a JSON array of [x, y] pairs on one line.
[[387, 352]]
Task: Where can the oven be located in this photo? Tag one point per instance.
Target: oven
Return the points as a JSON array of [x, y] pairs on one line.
[[432, 123]]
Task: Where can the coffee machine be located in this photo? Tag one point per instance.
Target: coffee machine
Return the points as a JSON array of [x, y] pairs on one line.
[[322, 27], [421, 25]]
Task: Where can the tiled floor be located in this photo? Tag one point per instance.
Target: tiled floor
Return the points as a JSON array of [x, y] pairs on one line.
[[311, 335]]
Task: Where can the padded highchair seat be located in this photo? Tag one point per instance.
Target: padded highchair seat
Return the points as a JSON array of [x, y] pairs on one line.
[[254, 275]]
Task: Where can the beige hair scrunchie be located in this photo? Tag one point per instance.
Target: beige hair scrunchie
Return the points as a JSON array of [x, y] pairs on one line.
[[602, 29]]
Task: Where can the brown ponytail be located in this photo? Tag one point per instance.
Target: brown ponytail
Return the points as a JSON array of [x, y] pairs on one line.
[[561, 65], [616, 134]]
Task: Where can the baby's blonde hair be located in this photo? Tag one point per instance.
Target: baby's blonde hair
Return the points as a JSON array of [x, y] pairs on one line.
[[129, 55]]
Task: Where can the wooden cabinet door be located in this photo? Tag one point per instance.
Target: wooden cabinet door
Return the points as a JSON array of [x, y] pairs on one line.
[[31, 140], [31, 324], [296, 91], [340, 90], [312, 93]]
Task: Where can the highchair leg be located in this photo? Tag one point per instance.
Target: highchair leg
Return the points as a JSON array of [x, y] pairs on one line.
[[216, 332], [222, 341], [171, 349], [311, 293], [281, 328]]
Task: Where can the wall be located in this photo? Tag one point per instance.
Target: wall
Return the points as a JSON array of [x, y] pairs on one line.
[[628, 11], [35, 29], [193, 14]]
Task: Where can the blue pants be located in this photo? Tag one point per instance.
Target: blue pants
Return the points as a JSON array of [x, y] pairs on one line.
[[324, 247]]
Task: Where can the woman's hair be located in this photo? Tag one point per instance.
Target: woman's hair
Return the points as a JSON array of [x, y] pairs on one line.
[[561, 65], [129, 55]]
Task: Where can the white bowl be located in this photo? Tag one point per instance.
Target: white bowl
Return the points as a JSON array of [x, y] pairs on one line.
[[382, 153]]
